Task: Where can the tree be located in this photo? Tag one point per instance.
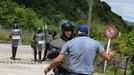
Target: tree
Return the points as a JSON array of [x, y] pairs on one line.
[[131, 45], [11, 13]]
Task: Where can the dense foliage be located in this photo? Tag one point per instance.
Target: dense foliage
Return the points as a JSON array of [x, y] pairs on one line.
[[130, 25], [11, 13], [53, 11]]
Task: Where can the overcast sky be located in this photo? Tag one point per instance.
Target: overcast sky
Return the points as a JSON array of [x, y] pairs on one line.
[[124, 8]]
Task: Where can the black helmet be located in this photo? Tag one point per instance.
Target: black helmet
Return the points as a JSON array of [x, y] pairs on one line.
[[15, 26], [66, 26], [50, 31], [39, 30]]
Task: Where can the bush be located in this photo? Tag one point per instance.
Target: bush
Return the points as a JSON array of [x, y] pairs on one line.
[[4, 38]]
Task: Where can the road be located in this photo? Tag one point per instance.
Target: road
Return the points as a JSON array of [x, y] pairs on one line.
[[21, 69], [24, 65]]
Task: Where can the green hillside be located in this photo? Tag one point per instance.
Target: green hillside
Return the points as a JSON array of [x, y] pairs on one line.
[[130, 25], [34, 13]]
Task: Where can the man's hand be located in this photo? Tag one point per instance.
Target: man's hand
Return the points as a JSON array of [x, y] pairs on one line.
[[46, 70], [107, 56], [111, 52], [54, 63]]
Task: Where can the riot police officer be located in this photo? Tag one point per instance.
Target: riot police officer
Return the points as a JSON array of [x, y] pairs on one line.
[[50, 35], [67, 30], [15, 36], [38, 44]]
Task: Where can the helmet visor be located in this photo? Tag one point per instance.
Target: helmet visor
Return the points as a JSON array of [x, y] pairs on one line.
[[68, 29]]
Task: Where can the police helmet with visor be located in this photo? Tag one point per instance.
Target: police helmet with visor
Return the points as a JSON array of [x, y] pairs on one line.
[[39, 30], [66, 26]]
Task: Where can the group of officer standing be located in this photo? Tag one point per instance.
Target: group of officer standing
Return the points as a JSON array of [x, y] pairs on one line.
[[39, 42], [43, 41]]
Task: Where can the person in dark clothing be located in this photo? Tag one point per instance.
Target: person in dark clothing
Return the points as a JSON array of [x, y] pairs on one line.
[[50, 35], [67, 30], [15, 36], [38, 43], [33, 45]]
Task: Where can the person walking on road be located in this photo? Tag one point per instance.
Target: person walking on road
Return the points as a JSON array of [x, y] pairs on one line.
[[81, 52], [15, 36]]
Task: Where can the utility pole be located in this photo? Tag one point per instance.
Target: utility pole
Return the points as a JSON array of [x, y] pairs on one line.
[[90, 13]]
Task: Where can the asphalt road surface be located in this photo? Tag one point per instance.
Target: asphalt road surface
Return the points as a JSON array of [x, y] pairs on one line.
[[24, 65]]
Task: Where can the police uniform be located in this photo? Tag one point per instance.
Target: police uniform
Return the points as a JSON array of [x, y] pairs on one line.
[[15, 38], [49, 37], [40, 44], [55, 48]]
